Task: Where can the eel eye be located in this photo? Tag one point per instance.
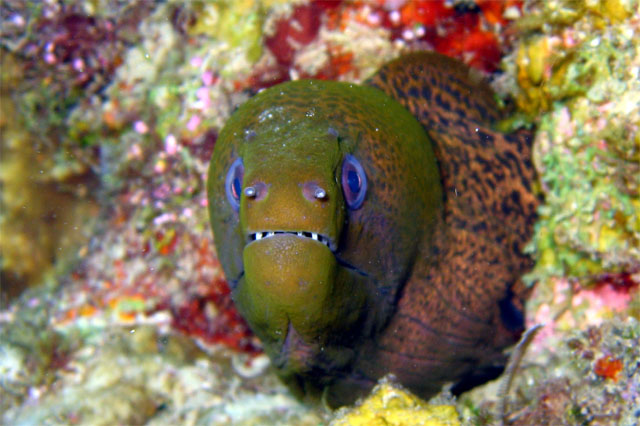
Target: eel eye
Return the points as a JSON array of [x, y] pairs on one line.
[[354, 182], [233, 183]]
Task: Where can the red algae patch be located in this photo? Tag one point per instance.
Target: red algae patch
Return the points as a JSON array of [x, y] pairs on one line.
[[608, 367]]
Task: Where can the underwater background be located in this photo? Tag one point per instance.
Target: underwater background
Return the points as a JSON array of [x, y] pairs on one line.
[[114, 306]]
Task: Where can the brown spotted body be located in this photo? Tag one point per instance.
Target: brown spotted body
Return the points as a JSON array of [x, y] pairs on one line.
[[409, 260], [466, 302]]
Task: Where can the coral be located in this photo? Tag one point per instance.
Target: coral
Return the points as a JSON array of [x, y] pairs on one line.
[[121, 106], [54, 56], [42, 215], [597, 379], [564, 305], [349, 40], [237, 24], [29, 348], [587, 376], [390, 404], [467, 30], [608, 367], [300, 29], [134, 374], [577, 65]]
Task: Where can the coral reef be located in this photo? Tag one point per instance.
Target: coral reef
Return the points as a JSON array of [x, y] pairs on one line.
[[574, 71], [389, 404], [590, 376], [29, 349], [115, 107], [54, 57], [577, 65], [91, 373], [41, 214]]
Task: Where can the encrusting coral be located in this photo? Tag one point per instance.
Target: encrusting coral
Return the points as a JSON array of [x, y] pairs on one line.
[[391, 405], [130, 113], [577, 64]]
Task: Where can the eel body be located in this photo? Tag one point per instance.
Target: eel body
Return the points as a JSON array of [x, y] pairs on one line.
[[377, 228]]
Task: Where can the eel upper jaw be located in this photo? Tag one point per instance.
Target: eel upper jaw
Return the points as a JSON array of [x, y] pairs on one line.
[[256, 236]]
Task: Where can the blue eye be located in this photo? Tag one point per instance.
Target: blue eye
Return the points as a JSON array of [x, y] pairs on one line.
[[233, 183], [354, 182]]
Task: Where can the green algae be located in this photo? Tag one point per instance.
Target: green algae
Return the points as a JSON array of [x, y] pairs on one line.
[[238, 23], [580, 72]]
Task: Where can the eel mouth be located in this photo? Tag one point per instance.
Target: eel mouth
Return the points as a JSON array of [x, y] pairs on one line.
[[256, 236]]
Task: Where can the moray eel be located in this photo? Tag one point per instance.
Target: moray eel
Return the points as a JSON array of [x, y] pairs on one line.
[[377, 228]]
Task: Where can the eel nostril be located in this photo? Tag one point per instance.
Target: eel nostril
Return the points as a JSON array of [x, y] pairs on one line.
[[314, 192], [256, 191], [250, 191], [320, 193]]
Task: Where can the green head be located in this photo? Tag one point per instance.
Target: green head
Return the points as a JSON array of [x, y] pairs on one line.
[[321, 195]]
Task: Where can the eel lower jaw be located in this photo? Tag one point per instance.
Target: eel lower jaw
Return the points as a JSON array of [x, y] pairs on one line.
[[294, 353], [256, 236], [330, 243]]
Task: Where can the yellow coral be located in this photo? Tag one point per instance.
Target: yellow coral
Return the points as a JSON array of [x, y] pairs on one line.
[[238, 23], [390, 405], [615, 10], [533, 62]]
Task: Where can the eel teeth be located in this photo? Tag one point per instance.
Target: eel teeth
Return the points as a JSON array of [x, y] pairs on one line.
[[313, 235]]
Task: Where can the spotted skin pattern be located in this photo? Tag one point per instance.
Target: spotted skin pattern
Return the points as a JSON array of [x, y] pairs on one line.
[[424, 282], [466, 302]]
